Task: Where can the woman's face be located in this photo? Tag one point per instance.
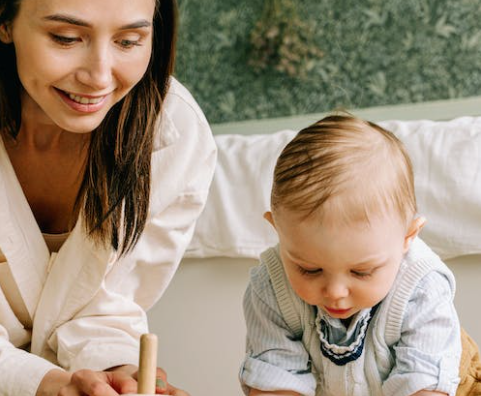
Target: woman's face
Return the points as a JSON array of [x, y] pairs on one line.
[[77, 58]]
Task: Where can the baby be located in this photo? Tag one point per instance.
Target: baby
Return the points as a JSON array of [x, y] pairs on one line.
[[351, 301]]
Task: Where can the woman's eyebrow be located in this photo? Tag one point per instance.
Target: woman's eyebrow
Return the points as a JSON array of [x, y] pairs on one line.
[[138, 24], [66, 19], [79, 22]]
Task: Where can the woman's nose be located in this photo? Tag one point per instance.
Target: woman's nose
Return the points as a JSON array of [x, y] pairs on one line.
[[96, 72]]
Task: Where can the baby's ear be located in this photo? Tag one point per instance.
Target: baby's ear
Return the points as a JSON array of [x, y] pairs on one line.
[[269, 218], [413, 230]]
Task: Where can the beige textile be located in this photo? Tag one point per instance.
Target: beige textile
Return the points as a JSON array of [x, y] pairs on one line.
[[470, 368], [9, 286]]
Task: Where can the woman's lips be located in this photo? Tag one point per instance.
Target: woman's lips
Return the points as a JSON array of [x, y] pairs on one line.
[[83, 103]]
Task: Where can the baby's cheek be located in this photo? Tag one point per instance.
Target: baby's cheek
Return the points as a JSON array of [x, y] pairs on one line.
[[307, 291], [375, 293]]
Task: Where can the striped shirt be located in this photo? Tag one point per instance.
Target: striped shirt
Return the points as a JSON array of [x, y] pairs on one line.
[[426, 356]]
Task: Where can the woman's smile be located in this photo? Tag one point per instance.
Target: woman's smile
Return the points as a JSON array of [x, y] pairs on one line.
[[79, 56], [83, 103]]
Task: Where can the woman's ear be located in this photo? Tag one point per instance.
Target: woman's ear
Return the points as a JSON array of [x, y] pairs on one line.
[[414, 228], [5, 33]]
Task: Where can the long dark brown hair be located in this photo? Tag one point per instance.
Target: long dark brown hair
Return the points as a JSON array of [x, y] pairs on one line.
[[114, 195]]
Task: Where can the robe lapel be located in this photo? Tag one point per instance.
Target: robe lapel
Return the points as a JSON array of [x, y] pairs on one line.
[[75, 276], [21, 240]]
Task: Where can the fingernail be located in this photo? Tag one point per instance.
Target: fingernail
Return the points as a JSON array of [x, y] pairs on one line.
[[159, 383]]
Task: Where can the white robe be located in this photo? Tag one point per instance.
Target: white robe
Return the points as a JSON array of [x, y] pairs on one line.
[[88, 306]]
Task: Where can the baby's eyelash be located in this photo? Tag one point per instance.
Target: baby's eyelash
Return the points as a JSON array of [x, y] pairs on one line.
[[306, 272], [361, 274]]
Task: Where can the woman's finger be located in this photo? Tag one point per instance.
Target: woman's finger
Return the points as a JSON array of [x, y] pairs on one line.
[[161, 382], [69, 390], [177, 392], [122, 382], [160, 374], [93, 383]]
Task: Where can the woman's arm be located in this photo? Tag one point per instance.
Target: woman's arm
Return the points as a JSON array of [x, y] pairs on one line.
[[430, 393], [20, 372]]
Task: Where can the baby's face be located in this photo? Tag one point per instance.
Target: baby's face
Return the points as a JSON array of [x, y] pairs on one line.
[[341, 268]]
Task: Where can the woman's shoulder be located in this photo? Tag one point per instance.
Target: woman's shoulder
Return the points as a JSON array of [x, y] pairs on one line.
[[182, 120], [180, 98]]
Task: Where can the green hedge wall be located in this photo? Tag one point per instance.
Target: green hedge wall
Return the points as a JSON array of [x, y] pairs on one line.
[[351, 54]]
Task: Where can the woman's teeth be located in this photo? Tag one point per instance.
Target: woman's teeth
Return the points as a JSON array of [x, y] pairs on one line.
[[84, 100]]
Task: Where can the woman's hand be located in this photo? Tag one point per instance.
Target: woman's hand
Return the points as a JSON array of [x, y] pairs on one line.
[[87, 382], [99, 383], [116, 381], [163, 387]]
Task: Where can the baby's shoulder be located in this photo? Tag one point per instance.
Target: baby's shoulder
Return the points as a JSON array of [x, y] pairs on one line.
[[269, 283], [423, 270], [259, 275], [435, 284]]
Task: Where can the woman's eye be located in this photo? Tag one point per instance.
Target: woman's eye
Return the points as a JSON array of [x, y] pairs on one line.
[[128, 43], [64, 40]]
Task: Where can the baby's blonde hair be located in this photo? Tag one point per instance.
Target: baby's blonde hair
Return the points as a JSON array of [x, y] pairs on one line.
[[363, 166]]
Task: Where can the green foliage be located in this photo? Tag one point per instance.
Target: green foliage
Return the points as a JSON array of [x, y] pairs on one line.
[[282, 40], [244, 60]]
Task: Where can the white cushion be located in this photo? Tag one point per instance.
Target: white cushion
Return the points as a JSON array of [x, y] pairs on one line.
[[446, 158]]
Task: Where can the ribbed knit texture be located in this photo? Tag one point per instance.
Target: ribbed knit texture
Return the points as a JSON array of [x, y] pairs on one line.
[[366, 375], [285, 297]]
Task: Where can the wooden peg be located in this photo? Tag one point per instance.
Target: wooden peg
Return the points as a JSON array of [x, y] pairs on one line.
[[147, 364]]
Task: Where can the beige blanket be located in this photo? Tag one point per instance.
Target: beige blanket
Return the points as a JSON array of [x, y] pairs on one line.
[[470, 368]]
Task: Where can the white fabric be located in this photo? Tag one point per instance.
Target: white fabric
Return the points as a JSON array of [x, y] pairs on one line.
[[447, 163], [88, 306]]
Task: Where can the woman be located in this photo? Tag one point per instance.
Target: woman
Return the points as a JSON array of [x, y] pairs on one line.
[[105, 163]]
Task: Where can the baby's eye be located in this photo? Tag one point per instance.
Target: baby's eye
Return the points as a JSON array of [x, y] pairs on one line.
[[361, 274], [309, 272]]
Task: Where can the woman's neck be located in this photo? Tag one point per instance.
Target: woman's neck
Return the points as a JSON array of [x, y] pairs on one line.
[[39, 133], [50, 170], [45, 137]]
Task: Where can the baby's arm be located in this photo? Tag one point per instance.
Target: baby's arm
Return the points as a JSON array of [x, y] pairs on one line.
[[275, 360], [256, 392], [427, 355]]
